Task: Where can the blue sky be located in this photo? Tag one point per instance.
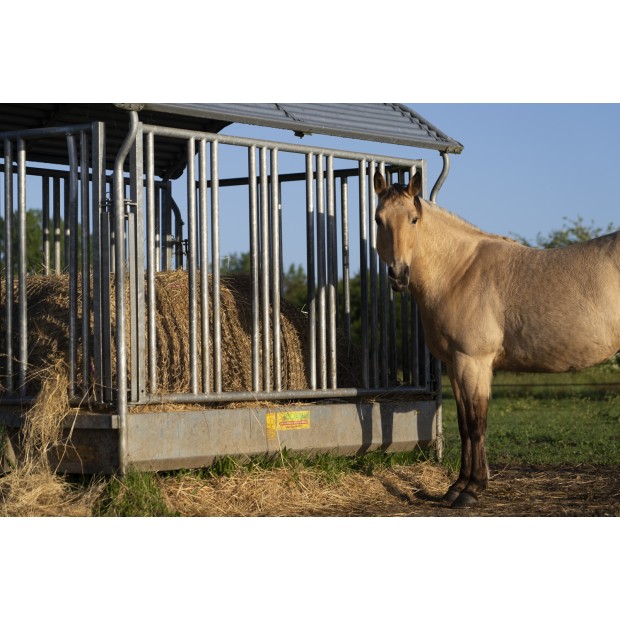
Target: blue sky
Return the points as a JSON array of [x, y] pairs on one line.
[[524, 168]]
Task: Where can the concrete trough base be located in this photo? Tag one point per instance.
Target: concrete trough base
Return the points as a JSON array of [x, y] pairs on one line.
[[159, 441]]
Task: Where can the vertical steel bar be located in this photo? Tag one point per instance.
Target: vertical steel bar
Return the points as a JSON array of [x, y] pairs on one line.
[[8, 259], [321, 256], [332, 275], [265, 269], [45, 215], [405, 339], [374, 320], [71, 226], [85, 242], [254, 268], [57, 235], [67, 222], [346, 276], [21, 265], [311, 293], [192, 247], [364, 271], [383, 306], [204, 268], [275, 271], [158, 236], [119, 249], [215, 236], [151, 264], [101, 331], [393, 338]]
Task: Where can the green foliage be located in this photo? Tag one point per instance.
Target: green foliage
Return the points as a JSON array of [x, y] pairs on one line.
[[34, 241], [138, 494], [573, 231]]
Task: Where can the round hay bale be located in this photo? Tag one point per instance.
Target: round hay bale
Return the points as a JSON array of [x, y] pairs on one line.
[[48, 335]]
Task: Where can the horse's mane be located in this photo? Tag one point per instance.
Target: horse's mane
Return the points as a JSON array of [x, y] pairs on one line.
[[462, 223]]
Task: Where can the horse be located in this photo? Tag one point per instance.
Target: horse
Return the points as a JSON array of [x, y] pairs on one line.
[[489, 303]]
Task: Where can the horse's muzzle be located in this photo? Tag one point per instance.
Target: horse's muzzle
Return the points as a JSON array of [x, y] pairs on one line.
[[399, 277]]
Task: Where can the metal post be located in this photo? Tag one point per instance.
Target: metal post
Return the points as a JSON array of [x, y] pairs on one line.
[[119, 248], [8, 261], [364, 270], [374, 259], [85, 262], [346, 276], [192, 247], [215, 263], [45, 214], [204, 269], [254, 267], [275, 271], [151, 263], [21, 257], [321, 270], [265, 268], [311, 301]]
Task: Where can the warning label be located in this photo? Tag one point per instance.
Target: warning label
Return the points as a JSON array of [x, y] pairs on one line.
[[293, 420]]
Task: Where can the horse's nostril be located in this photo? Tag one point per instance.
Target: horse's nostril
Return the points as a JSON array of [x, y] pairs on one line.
[[406, 272], [391, 273]]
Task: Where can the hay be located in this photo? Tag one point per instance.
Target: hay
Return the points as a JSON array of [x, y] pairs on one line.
[[48, 335], [298, 491]]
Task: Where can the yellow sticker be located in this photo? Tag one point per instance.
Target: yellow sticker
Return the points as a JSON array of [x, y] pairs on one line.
[[293, 420], [270, 422]]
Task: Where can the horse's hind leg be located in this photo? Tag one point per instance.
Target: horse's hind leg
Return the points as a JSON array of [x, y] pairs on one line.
[[473, 380]]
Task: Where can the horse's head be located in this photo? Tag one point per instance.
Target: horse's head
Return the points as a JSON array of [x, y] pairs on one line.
[[398, 211]]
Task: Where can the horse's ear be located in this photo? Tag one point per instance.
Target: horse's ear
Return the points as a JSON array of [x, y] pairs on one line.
[[415, 185], [379, 182]]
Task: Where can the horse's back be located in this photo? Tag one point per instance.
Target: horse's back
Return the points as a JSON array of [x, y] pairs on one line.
[[561, 307]]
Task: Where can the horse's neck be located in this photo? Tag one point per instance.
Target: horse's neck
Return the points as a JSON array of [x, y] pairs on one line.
[[447, 246]]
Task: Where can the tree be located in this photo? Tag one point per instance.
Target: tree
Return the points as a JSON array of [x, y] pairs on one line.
[[573, 231]]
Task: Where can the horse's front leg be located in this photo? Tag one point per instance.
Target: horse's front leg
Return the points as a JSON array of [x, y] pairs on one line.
[[473, 379], [465, 470]]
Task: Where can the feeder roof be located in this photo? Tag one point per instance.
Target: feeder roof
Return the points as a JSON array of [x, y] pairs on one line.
[[391, 123]]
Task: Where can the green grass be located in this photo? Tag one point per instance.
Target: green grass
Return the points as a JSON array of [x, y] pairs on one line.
[[547, 420]]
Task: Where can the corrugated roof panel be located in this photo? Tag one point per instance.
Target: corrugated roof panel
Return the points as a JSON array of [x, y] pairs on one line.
[[380, 122]]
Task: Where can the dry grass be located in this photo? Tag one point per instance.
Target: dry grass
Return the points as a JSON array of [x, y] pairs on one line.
[[301, 491]]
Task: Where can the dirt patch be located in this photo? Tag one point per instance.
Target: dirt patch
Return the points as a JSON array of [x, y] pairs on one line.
[[399, 491]]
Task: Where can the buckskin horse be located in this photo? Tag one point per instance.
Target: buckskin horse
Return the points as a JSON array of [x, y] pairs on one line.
[[487, 302]]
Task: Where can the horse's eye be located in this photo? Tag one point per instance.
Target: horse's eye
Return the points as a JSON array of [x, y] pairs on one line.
[[378, 219], [414, 219]]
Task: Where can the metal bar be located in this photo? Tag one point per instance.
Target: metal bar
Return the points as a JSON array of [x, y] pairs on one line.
[[45, 132], [151, 262], [157, 216], [84, 147], [275, 271], [131, 240], [45, 216], [98, 213], [192, 247], [8, 264], [67, 219], [283, 395], [383, 307], [332, 276], [374, 259], [204, 268], [346, 275], [57, 236], [363, 271], [137, 198], [21, 266], [71, 225], [119, 249], [283, 147], [166, 254], [264, 270], [445, 170], [392, 373], [254, 268], [215, 240], [321, 269], [405, 339], [311, 301]]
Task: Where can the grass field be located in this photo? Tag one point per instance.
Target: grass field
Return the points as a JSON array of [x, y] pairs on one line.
[[565, 419]]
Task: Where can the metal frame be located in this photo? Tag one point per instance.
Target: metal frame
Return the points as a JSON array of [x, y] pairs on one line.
[[134, 237]]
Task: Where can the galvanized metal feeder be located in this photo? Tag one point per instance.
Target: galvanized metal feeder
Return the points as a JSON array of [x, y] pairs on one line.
[[110, 172]]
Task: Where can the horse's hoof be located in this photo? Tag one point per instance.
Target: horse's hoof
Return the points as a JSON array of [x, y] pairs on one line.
[[451, 495], [464, 500]]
